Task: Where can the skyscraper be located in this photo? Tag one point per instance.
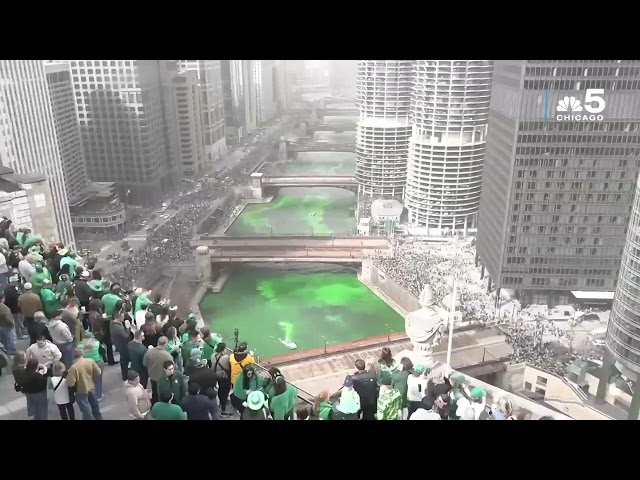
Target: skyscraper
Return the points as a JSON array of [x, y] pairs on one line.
[[191, 146], [559, 175], [65, 119], [383, 97], [450, 109], [28, 142], [128, 125], [209, 74], [240, 98], [265, 76], [623, 329]]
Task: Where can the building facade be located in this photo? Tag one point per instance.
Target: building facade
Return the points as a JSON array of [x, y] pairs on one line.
[[26, 200], [559, 175], [191, 130], [623, 329], [28, 141], [65, 119], [265, 77], [383, 98], [450, 110], [128, 125], [209, 73], [240, 98]]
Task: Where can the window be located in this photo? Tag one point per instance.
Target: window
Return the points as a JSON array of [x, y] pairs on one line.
[[541, 381]]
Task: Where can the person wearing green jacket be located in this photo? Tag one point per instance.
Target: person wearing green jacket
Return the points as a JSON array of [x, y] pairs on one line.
[[210, 342], [248, 381], [322, 407], [172, 382], [49, 301], [284, 399], [68, 258], [137, 351], [399, 379], [166, 408], [63, 287], [39, 276], [110, 299], [143, 298], [190, 344], [97, 285], [22, 235], [256, 407]]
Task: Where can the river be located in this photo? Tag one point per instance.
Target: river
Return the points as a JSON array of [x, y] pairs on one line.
[[304, 304]]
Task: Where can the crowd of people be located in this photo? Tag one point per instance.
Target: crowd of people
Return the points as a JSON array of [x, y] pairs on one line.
[[390, 390], [540, 344]]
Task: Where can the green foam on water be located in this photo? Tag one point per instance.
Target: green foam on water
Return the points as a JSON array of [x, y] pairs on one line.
[[304, 307], [299, 211]]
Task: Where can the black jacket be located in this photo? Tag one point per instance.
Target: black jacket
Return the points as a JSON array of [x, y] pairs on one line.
[[200, 407], [435, 390], [366, 385], [33, 382], [205, 377], [119, 337], [11, 294], [40, 329], [83, 291]]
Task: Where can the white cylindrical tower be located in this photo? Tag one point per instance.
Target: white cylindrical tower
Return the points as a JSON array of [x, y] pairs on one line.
[[203, 263], [383, 97], [450, 110]]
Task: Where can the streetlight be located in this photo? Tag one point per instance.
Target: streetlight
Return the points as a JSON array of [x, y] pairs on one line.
[[325, 344]]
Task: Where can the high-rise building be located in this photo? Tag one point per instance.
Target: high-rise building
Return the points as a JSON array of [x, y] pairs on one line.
[[191, 146], [450, 110], [559, 176], [65, 119], [282, 86], [240, 98], [209, 74], [128, 124], [28, 142], [265, 77], [623, 329], [382, 134]]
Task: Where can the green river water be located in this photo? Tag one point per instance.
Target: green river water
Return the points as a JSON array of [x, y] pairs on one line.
[[317, 211], [317, 163], [304, 304]]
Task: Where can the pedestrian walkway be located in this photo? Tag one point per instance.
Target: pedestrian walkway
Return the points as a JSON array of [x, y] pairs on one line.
[[135, 238]]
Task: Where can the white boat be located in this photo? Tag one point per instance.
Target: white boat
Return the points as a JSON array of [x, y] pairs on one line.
[[312, 214], [289, 344]]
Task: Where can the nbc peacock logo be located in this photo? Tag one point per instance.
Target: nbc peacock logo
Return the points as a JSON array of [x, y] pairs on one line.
[[569, 104], [569, 107]]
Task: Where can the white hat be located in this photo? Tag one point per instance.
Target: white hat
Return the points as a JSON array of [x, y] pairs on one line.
[[85, 274], [28, 286]]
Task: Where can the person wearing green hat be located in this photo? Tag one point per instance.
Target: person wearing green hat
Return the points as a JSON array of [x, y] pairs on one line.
[[49, 301], [248, 380], [416, 388], [96, 285], [142, 298], [389, 401], [110, 299], [458, 391], [39, 276], [478, 403], [255, 407]]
